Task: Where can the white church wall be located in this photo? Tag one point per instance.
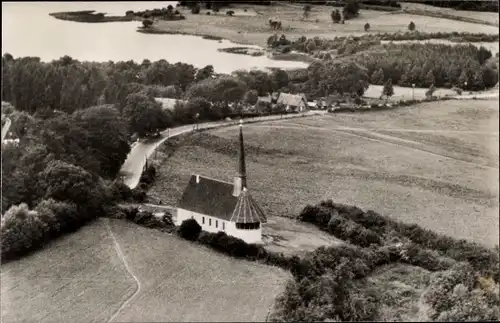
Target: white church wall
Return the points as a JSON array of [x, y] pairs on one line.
[[214, 225], [249, 236]]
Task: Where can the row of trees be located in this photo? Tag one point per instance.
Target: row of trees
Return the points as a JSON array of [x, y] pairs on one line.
[[68, 85], [352, 44]]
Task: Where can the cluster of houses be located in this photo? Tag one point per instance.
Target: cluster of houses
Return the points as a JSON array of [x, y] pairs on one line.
[[297, 103]]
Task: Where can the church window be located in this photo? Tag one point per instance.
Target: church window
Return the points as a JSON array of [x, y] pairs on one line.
[[216, 223], [247, 226], [203, 220], [223, 225], [209, 221]]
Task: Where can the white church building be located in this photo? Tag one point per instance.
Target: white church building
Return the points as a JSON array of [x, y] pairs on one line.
[[222, 206]]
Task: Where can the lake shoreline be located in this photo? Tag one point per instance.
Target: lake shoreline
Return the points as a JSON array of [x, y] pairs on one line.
[[291, 57], [89, 16]]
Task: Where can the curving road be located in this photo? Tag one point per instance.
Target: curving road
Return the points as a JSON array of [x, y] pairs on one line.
[[132, 167], [5, 128]]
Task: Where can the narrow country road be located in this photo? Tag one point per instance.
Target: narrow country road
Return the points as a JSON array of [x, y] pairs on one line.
[[132, 167], [5, 128]]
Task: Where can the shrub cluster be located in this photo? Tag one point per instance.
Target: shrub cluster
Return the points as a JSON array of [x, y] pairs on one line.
[[232, 246], [482, 259], [24, 230], [324, 287], [331, 220], [143, 218], [458, 294], [148, 177]]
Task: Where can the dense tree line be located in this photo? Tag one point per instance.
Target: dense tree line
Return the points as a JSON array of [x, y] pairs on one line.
[[321, 79], [426, 64], [463, 66], [302, 43]]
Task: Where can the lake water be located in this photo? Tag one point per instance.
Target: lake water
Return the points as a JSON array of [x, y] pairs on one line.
[[28, 30]]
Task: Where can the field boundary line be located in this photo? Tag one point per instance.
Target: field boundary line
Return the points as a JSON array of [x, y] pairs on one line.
[[122, 258]]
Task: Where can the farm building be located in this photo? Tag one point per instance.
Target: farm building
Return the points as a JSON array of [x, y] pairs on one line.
[[222, 206], [293, 102]]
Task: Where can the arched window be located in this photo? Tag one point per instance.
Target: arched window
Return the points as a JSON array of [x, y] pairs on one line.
[[248, 226]]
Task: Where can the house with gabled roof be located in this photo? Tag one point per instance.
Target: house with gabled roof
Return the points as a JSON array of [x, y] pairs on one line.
[[222, 206], [293, 102]]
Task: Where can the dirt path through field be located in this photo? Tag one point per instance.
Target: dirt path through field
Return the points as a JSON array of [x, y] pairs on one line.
[[122, 257]]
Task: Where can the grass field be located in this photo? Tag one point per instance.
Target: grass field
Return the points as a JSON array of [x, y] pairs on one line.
[[405, 93], [81, 278], [78, 278], [250, 28], [434, 164], [486, 17]]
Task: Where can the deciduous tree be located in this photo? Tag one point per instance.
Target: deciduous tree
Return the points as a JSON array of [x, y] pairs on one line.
[[388, 90]]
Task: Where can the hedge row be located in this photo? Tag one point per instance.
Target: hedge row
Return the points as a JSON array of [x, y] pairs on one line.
[[481, 258], [143, 218], [234, 247], [328, 219]]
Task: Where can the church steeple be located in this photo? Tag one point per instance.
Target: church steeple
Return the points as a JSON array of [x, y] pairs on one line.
[[242, 169], [240, 182]]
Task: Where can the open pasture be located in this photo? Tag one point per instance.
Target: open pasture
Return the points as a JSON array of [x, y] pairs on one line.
[[83, 278], [404, 93], [479, 16], [438, 178], [253, 29], [78, 278]]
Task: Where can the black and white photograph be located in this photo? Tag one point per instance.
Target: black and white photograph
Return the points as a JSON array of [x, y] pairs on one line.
[[250, 161]]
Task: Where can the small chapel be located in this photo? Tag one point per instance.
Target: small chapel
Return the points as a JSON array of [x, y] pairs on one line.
[[222, 206]]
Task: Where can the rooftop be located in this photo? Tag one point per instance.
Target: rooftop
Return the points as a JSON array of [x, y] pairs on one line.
[[215, 198], [291, 99], [209, 196]]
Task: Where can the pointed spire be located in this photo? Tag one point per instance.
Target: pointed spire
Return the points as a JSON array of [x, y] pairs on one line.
[[242, 170]]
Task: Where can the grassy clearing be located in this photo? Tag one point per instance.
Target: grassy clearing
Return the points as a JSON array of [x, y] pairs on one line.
[[292, 237], [405, 93], [248, 29], [80, 278], [292, 163], [181, 281], [490, 18]]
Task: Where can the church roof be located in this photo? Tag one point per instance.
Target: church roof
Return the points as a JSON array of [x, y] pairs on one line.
[[210, 197], [247, 210]]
